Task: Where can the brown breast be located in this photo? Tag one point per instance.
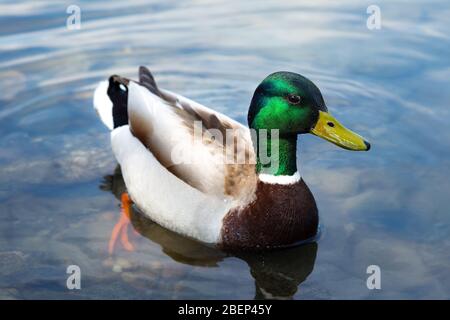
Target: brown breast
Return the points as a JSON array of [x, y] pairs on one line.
[[280, 215]]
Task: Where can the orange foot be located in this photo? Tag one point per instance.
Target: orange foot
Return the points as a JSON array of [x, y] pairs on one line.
[[121, 226]]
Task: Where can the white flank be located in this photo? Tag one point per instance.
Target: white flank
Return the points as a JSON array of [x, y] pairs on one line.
[[270, 178], [163, 197], [103, 105]]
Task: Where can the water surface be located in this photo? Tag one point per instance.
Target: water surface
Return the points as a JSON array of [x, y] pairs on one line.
[[386, 207]]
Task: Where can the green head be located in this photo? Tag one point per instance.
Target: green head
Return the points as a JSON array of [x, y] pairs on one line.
[[286, 101], [292, 104]]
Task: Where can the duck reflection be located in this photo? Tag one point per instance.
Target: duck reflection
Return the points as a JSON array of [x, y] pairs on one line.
[[277, 273]]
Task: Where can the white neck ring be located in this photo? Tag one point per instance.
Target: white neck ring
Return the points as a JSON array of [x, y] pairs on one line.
[[272, 179]]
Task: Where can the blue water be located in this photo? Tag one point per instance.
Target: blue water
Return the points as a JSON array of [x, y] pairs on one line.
[[387, 207]]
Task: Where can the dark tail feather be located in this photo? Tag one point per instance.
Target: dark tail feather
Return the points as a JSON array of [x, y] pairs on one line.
[[118, 94], [146, 80]]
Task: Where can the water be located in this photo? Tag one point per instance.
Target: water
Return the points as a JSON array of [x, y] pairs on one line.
[[387, 207]]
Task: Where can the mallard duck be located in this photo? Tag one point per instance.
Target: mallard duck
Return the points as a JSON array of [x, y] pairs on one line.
[[206, 176]]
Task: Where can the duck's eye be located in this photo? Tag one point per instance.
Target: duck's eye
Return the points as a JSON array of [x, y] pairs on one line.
[[294, 99]]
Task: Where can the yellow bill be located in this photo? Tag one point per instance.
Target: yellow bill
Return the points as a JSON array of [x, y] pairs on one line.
[[328, 128]]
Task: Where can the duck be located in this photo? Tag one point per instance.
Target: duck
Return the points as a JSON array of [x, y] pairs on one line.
[[210, 178]]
